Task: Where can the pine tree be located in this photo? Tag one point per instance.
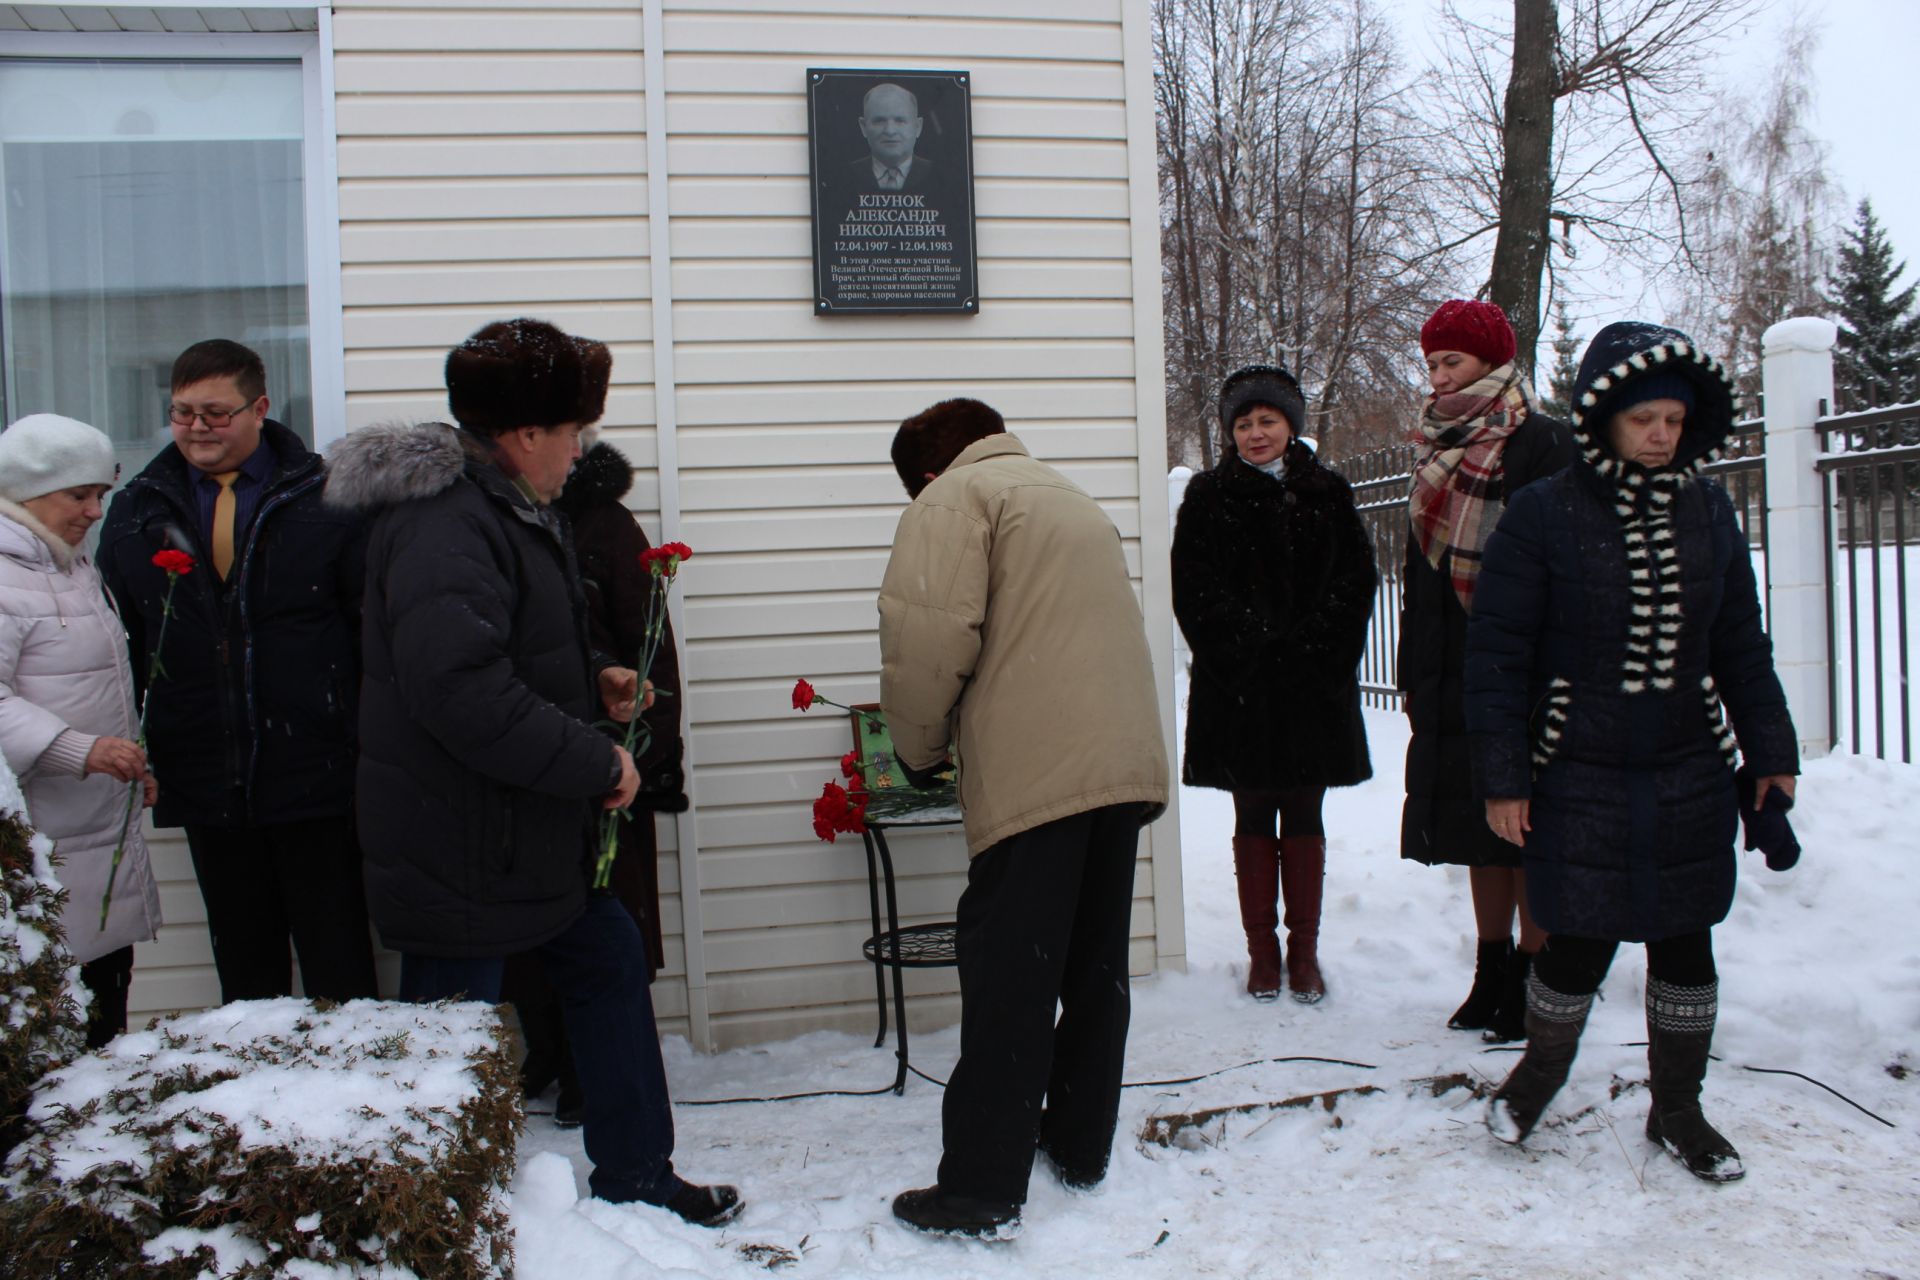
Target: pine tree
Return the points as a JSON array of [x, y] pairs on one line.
[[1878, 360], [1566, 364]]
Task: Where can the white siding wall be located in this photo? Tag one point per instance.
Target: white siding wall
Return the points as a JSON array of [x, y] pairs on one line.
[[785, 420], [493, 162]]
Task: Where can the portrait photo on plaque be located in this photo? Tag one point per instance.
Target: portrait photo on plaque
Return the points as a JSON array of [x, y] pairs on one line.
[[892, 177]]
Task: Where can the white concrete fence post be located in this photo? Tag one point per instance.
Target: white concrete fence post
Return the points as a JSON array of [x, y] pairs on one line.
[[1797, 378]]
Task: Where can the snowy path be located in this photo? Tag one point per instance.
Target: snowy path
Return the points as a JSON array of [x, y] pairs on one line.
[[1820, 971]]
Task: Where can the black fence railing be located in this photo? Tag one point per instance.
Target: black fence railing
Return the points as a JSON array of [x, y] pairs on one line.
[[1870, 463], [1379, 478]]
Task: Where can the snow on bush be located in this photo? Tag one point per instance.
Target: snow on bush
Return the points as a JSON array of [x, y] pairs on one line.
[[274, 1137], [40, 994]]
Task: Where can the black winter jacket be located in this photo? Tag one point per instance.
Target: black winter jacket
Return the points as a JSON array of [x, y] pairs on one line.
[[1443, 821], [482, 772], [1273, 584], [252, 721], [1623, 754], [608, 540]]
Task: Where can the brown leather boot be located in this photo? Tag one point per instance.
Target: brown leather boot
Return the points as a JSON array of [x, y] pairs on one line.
[[1303, 873], [1256, 868]]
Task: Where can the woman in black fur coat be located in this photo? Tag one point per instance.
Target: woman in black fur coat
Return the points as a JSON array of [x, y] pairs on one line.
[[1273, 585], [1616, 631], [1482, 442]]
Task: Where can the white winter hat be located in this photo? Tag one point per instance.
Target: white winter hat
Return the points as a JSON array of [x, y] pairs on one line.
[[44, 452]]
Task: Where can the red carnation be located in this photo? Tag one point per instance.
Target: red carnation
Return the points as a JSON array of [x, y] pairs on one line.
[[174, 562], [850, 764], [664, 560], [803, 695]]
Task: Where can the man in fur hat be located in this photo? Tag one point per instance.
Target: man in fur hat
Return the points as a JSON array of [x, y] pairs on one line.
[[1010, 635], [483, 778]]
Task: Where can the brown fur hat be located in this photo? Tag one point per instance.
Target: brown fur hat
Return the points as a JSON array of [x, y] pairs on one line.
[[526, 373], [929, 441]]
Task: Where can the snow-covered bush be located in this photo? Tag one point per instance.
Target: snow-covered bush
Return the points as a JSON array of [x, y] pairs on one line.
[[274, 1137], [40, 993]]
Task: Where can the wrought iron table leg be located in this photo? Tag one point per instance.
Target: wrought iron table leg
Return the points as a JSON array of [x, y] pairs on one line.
[[893, 932], [873, 908]]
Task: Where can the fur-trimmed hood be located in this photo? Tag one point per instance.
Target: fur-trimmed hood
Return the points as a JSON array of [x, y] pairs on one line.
[[602, 475], [1630, 351], [390, 463]]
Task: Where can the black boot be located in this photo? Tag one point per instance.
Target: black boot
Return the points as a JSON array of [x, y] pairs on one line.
[[940, 1212], [1554, 1022], [1489, 975], [1509, 1021], [1679, 1033]]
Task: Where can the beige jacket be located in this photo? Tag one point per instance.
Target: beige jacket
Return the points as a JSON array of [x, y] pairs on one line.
[[1009, 629]]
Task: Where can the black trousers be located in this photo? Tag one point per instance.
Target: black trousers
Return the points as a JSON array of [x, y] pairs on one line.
[[295, 882], [107, 978], [1577, 966], [1042, 926]]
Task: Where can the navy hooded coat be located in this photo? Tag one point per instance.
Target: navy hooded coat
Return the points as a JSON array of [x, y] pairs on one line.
[[1616, 616]]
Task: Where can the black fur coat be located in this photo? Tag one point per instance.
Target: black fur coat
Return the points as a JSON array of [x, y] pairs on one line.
[[1273, 585]]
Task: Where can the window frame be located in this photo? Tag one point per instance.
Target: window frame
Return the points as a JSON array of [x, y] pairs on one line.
[[326, 341]]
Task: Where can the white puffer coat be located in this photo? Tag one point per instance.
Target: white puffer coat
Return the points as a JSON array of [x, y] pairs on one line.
[[63, 665]]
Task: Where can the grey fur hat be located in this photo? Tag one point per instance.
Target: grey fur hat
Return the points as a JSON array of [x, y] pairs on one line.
[[1262, 384]]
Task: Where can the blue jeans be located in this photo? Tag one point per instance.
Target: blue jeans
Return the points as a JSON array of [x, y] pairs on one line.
[[598, 967]]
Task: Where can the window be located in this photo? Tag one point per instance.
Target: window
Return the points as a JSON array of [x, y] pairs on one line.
[[146, 204]]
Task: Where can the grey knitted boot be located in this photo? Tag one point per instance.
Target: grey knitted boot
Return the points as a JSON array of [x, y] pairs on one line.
[[1679, 1032], [1554, 1023]]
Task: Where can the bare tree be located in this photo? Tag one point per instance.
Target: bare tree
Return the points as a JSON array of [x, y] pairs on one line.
[[1574, 117], [1296, 212], [1761, 211]]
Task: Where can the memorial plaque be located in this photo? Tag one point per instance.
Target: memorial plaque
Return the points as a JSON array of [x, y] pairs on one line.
[[892, 169]]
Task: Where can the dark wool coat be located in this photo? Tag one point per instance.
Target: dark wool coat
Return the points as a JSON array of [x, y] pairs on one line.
[[1273, 584], [482, 774], [1587, 692], [608, 541], [1443, 821], [253, 720]]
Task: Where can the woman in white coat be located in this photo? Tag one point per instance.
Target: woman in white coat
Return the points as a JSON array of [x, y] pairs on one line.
[[67, 716]]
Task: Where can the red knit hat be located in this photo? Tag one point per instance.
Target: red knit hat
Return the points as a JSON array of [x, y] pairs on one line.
[[1478, 328]]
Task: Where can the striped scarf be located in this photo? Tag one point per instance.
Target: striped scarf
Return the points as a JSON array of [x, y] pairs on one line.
[[1455, 497]]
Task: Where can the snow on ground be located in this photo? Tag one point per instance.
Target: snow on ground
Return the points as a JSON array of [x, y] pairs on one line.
[[1820, 973]]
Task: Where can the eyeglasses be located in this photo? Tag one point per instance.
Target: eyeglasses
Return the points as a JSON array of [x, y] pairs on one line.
[[181, 416]]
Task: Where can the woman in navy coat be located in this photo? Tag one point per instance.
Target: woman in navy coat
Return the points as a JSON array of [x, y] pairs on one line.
[[1617, 630]]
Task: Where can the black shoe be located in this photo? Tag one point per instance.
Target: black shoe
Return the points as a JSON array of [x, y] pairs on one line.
[[569, 1108], [706, 1206], [1554, 1024], [944, 1214], [1074, 1175], [1509, 1021], [1489, 973]]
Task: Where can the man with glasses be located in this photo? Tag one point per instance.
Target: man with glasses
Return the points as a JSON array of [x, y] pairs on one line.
[[252, 711]]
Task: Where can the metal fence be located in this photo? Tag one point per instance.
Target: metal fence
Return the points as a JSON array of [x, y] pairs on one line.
[[1870, 465], [1379, 480]]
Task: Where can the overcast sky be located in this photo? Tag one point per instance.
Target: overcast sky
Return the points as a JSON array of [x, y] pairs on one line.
[[1866, 106]]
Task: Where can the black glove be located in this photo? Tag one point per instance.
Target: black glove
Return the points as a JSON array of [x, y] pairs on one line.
[[928, 779], [1767, 828]]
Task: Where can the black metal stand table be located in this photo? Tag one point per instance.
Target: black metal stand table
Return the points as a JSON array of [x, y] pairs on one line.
[[918, 946]]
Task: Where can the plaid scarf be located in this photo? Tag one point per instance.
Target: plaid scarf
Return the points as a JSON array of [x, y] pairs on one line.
[[1454, 501]]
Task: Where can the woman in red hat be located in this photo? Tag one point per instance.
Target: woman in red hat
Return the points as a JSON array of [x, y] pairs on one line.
[[1481, 441]]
